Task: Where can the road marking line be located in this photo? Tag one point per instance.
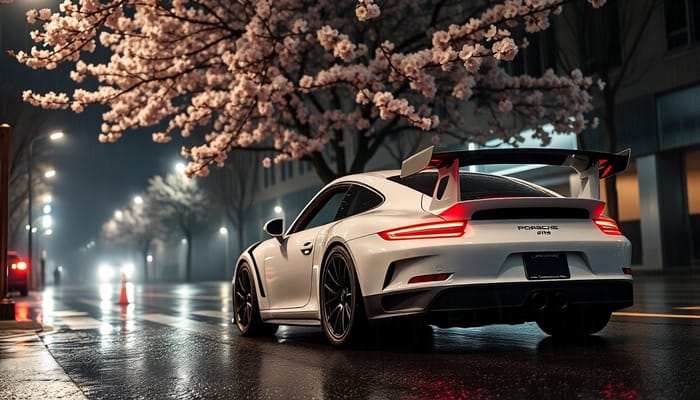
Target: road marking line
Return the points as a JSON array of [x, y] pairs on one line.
[[81, 323], [692, 308], [66, 313], [183, 296], [653, 315], [213, 314], [178, 322]]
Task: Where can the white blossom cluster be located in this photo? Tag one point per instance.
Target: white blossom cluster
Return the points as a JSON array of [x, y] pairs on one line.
[[300, 73]]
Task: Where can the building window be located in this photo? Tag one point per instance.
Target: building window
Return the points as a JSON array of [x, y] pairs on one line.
[[682, 19], [534, 59]]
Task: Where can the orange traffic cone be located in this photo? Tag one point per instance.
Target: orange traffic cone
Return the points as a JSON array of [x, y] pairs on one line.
[[123, 298]]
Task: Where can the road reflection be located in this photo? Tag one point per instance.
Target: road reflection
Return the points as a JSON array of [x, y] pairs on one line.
[[484, 363]]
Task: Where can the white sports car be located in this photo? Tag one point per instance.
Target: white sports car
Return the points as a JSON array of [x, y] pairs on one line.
[[446, 248]]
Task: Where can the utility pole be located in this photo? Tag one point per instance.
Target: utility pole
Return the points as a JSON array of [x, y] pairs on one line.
[[7, 305]]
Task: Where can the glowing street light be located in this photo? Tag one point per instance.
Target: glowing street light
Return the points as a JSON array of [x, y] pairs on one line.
[[138, 200], [223, 231], [50, 173]]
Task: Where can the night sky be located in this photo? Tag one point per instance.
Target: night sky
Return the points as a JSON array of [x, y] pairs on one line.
[[94, 179]]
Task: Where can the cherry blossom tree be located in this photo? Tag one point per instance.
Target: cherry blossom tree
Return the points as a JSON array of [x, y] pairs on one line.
[[300, 76], [179, 204], [134, 226]]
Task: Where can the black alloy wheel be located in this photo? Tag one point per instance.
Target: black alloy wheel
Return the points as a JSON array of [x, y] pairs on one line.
[[342, 313], [245, 305]]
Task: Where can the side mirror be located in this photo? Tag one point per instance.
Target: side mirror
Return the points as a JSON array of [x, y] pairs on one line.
[[275, 227]]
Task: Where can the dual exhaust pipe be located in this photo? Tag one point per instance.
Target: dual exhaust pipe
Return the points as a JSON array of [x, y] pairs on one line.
[[541, 301]]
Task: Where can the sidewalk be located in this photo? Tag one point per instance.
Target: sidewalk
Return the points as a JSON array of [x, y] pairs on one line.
[[27, 368]]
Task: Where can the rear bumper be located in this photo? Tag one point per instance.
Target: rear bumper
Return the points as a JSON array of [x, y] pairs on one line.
[[482, 304], [17, 284]]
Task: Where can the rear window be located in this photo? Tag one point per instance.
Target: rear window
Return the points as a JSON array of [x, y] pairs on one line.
[[474, 186]]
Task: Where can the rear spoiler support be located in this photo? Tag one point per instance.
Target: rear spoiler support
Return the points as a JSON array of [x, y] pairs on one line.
[[590, 166]]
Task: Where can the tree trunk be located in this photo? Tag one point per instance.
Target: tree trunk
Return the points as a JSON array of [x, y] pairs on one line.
[[144, 259]]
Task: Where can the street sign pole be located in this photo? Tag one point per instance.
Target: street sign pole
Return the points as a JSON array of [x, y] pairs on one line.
[[7, 306]]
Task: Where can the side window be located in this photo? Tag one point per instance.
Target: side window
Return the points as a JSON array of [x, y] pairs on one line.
[[358, 199], [324, 209]]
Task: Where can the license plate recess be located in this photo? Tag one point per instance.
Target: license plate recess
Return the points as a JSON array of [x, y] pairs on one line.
[[546, 266]]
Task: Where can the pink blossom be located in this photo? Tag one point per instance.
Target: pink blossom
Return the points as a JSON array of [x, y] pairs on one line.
[[505, 49], [299, 75]]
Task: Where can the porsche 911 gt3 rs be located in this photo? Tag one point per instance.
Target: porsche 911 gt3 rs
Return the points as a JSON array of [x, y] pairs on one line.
[[437, 245]]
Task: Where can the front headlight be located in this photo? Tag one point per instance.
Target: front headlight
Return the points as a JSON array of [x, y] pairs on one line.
[[105, 272]]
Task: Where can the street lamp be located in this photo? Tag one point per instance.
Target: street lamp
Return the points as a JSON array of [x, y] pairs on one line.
[[280, 211], [223, 231], [52, 136]]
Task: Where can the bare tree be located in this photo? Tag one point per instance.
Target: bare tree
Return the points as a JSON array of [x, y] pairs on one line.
[[178, 203], [135, 227], [233, 188]]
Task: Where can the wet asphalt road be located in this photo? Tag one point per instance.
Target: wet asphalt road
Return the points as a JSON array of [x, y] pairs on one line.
[[176, 341]]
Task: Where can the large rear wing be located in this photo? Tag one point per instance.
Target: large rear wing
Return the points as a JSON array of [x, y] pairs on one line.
[[591, 167]]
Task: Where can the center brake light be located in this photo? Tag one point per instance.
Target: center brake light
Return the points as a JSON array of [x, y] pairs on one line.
[[608, 226], [431, 230]]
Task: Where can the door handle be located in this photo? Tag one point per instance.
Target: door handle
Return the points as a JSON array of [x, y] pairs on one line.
[[306, 248]]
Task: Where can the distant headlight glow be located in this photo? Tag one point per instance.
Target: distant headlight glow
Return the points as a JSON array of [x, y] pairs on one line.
[[105, 272]]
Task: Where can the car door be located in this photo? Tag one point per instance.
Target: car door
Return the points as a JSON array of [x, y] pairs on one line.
[[289, 262]]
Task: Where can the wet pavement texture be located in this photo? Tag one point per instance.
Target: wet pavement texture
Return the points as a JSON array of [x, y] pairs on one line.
[[177, 342]]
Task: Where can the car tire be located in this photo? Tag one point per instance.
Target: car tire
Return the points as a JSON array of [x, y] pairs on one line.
[[574, 322], [246, 312], [343, 316], [23, 291]]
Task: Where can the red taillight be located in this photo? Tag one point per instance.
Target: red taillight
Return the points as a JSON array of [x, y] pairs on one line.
[[627, 270], [429, 278], [21, 265], [443, 229], [608, 226]]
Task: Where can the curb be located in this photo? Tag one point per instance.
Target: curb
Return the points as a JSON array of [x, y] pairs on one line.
[[11, 328]]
